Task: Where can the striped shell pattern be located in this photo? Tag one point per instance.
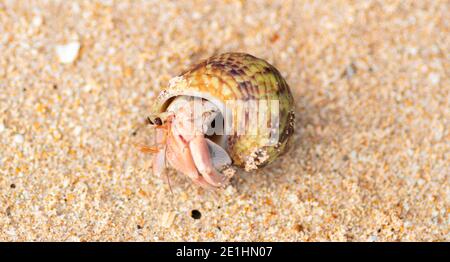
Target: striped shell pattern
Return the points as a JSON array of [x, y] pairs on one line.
[[243, 77]]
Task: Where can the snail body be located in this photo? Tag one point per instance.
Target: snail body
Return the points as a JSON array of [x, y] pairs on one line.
[[243, 89]]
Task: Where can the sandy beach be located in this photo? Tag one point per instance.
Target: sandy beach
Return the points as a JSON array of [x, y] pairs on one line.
[[369, 160]]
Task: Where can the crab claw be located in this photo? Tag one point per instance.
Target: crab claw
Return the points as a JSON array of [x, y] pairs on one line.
[[188, 150], [180, 158], [203, 162], [199, 159]]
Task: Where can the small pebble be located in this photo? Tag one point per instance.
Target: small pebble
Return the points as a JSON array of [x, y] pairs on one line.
[[350, 70], [412, 50], [2, 127], [438, 133], [298, 227], [19, 139], [68, 53], [372, 238], [353, 155], [293, 198], [434, 78], [87, 88], [37, 21], [77, 130], [421, 182], [230, 190]]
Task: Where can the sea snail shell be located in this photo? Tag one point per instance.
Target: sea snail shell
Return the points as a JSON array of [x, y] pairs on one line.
[[252, 81]]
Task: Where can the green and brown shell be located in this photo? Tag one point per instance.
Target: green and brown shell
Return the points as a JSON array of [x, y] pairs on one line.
[[238, 76]]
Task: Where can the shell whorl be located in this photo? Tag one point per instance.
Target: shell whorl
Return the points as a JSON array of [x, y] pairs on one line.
[[238, 76]]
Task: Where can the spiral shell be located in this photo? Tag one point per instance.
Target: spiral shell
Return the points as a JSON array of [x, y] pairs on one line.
[[239, 77]]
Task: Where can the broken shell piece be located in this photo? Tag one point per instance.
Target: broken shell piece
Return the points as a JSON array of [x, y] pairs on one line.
[[68, 53]]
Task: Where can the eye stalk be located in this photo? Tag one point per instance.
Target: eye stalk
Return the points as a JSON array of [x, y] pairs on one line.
[[158, 120]]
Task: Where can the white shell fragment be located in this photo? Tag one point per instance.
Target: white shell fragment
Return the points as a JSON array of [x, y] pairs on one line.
[[68, 53], [37, 21], [18, 139], [434, 78], [168, 218], [219, 156]]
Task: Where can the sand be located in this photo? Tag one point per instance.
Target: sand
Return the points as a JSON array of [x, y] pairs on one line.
[[370, 155]]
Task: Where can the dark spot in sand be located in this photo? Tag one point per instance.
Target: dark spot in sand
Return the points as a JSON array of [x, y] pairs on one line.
[[298, 228], [349, 71], [195, 214]]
